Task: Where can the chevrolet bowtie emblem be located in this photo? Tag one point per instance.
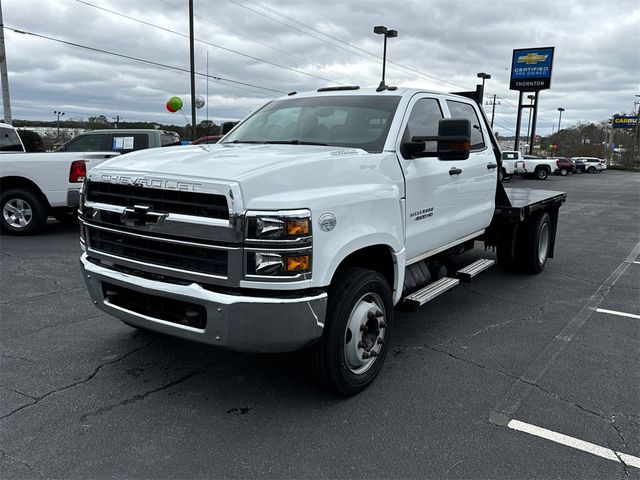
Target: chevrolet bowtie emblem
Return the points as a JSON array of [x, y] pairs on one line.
[[532, 58], [142, 216]]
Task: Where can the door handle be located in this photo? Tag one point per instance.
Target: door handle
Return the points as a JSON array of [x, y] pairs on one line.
[[491, 166], [455, 171]]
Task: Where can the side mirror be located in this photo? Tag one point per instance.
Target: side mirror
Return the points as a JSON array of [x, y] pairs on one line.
[[454, 140]]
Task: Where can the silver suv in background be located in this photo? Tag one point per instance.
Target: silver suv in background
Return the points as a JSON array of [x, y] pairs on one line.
[[588, 164], [120, 140]]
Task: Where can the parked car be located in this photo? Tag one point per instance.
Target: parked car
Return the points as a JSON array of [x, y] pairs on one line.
[[509, 159], [120, 140], [535, 167], [588, 164], [565, 166], [207, 140]]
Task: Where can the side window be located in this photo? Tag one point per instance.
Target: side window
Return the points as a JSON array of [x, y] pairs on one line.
[[128, 142], [169, 139], [423, 121], [88, 143], [465, 110]]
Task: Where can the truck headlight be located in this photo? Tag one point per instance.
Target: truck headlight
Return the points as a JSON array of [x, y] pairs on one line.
[[278, 264], [281, 225]]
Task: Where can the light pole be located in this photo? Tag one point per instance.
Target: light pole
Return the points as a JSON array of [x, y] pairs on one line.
[[382, 30], [58, 114], [483, 76], [560, 109]]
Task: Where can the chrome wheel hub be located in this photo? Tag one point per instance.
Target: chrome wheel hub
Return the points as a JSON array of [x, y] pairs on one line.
[[17, 213], [364, 335]]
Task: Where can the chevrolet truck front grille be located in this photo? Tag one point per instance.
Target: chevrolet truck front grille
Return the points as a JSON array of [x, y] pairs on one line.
[[209, 260], [196, 204]]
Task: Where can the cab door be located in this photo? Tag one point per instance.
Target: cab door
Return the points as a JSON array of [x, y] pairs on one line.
[[479, 176], [432, 189]]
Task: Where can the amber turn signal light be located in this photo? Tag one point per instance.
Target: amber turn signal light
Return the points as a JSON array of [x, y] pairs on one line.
[[301, 263], [299, 226]]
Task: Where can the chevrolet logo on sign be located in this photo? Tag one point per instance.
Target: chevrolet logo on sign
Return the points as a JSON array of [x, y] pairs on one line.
[[531, 69], [532, 58]]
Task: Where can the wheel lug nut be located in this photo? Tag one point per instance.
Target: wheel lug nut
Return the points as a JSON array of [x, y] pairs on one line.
[[380, 341], [373, 354], [366, 355], [378, 314], [360, 345], [382, 325]]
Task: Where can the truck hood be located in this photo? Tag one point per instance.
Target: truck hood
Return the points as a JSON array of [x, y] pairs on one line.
[[224, 161], [266, 174]]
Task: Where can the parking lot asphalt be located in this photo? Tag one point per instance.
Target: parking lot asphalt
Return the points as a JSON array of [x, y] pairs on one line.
[[85, 396]]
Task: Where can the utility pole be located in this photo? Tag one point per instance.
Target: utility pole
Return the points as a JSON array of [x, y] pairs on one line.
[[530, 97], [4, 77], [493, 110], [193, 72]]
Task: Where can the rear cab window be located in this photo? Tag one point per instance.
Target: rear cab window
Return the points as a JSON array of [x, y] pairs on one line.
[[466, 111], [9, 140], [509, 156]]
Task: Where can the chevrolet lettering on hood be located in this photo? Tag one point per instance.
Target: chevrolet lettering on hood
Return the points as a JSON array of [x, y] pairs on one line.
[[149, 182]]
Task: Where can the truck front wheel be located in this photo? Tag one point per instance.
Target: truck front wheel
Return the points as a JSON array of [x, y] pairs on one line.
[[537, 240], [23, 213], [355, 341]]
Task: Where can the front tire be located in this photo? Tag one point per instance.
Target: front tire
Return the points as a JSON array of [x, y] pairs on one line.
[[23, 213], [591, 170], [564, 172], [356, 335]]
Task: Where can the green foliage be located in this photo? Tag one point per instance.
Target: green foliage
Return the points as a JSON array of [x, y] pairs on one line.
[[31, 140]]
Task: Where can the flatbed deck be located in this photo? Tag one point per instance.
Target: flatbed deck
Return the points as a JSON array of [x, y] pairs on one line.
[[526, 201]]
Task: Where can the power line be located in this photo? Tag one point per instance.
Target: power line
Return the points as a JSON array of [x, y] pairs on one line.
[[375, 58], [205, 42], [140, 60]]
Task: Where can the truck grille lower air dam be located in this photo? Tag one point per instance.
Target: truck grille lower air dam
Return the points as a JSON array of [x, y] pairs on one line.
[[162, 308]]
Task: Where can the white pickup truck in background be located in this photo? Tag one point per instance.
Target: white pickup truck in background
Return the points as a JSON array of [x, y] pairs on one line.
[[539, 168], [509, 159], [36, 185]]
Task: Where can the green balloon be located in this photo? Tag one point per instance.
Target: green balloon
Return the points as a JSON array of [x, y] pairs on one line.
[[174, 104]]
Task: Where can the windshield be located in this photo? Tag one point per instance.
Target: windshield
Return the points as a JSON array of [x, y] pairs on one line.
[[344, 121]]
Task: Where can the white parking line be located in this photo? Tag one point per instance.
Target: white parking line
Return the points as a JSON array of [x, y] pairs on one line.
[[620, 314], [592, 448]]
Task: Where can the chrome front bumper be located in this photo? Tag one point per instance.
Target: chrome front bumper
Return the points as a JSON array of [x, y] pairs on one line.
[[237, 322]]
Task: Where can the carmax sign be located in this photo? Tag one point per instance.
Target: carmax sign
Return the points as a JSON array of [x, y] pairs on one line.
[[531, 69], [624, 121]]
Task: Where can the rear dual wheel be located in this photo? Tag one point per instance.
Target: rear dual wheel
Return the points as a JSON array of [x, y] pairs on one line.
[[355, 341]]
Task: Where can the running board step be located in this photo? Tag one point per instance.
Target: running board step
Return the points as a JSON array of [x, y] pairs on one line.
[[431, 291], [467, 273]]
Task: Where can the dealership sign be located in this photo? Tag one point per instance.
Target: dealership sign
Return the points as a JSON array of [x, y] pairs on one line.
[[624, 122], [531, 69]]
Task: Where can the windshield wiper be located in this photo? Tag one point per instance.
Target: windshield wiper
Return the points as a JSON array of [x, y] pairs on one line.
[[293, 142]]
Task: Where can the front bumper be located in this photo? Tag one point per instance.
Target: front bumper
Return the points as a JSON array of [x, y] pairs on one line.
[[236, 322]]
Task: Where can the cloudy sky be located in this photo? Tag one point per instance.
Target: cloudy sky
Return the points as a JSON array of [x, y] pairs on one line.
[[259, 49]]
